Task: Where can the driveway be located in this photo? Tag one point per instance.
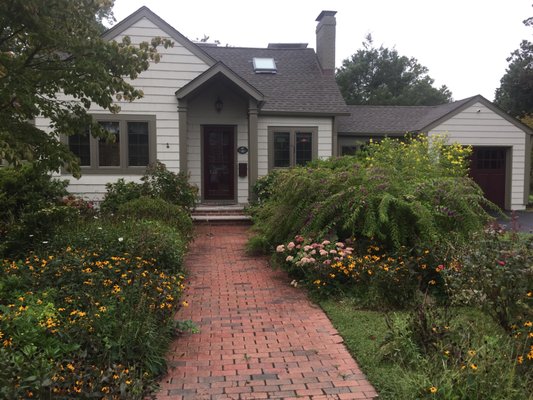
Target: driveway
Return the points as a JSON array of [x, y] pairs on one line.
[[519, 220]]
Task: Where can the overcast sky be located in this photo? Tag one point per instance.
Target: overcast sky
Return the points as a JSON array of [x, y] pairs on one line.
[[463, 43]]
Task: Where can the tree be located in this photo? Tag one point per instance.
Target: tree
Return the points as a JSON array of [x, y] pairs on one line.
[[515, 94], [50, 52], [381, 76]]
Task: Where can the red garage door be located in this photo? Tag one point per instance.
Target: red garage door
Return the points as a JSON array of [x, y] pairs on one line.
[[488, 171]]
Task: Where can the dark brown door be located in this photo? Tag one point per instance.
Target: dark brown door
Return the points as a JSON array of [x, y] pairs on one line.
[[487, 168], [219, 162]]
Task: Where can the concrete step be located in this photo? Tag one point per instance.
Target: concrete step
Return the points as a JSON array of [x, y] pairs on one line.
[[208, 213]]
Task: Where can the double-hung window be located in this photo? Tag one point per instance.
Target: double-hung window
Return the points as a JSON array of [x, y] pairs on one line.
[[133, 146], [292, 146]]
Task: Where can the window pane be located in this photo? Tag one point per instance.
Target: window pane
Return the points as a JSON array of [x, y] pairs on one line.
[[282, 153], [109, 152], [304, 147], [79, 145], [138, 152]]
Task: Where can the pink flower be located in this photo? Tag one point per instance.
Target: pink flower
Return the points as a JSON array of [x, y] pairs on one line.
[[333, 251], [289, 258], [291, 245], [280, 249], [307, 248], [327, 262], [502, 263], [323, 252], [340, 245], [326, 242], [299, 239], [440, 267], [312, 252]]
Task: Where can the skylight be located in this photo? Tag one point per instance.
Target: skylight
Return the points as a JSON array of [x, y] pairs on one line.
[[264, 66]]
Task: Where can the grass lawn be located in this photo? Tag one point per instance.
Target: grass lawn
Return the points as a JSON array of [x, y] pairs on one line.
[[398, 369]]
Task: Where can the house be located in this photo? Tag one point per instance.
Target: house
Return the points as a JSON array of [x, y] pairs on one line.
[[225, 115], [228, 115], [501, 159]]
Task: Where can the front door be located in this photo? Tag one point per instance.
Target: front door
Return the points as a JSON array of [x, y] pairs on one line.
[[487, 169], [218, 162]]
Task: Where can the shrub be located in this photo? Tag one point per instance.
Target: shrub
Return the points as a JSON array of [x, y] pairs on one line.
[[495, 273], [361, 269], [174, 188], [103, 333], [412, 193], [143, 238], [119, 193], [30, 208], [157, 209], [158, 183]]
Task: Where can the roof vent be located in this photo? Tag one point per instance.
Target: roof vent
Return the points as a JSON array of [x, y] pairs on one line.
[[287, 45], [264, 65]]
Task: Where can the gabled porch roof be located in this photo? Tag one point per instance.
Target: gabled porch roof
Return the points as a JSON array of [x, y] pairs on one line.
[[219, 69]]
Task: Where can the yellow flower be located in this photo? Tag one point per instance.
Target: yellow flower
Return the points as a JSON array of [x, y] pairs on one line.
[[433, 389], [184, 303], [520, 359], [473, 366], [471, 353], [528, 324]]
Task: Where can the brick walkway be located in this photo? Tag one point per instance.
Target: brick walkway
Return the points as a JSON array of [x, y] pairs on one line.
[[259, 337]]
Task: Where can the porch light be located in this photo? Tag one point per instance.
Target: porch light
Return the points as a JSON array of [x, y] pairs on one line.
[[219, 105]]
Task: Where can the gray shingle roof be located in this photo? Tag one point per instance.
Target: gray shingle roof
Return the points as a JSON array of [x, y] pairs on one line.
[[394, 119], [299, 86]]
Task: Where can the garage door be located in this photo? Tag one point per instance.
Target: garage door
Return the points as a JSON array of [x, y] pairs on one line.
[[487, 168]]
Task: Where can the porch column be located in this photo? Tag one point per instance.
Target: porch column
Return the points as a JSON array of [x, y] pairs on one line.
[[182, 114], [252, 146]]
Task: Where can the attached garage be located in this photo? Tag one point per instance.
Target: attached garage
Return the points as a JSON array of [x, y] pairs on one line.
[[501, 159]]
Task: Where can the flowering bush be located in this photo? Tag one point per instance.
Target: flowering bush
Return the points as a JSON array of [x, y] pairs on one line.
[[77, 321], [397, 193], [361, 268]]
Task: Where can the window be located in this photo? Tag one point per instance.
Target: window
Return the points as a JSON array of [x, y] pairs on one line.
[[133, 147], [292, 146], [264, 65]]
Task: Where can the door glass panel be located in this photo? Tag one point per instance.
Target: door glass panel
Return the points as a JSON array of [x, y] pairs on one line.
[[282, 149], [304, 147], [218, 163], [138, 154], [109, 151]]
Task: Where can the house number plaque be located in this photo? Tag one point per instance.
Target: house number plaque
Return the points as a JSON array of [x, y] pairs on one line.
[[242, 150]]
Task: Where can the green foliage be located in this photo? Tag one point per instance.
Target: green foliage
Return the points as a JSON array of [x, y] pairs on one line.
[[90, 312], [515, 94], [496, 274], [118, 193], [264, 186], [47, 48], [156, 209], [173, 187], [31, 208], [381, 76], [412, 193], [150, 239], [469, 357], [157, 183], [360, 270]]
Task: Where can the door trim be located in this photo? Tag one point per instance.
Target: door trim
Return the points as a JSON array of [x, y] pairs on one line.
[[233, 200]]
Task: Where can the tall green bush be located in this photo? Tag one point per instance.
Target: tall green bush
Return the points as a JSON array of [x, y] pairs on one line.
[[157, 182], [31, 207], [400, 193]]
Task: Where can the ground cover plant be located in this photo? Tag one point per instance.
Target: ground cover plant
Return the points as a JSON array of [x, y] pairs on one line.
[[395, 245], [86, 310]]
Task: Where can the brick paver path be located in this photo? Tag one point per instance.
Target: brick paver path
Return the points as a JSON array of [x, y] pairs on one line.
[[259, 337]]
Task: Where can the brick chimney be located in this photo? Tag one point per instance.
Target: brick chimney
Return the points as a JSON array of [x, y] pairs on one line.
[[325, 40]]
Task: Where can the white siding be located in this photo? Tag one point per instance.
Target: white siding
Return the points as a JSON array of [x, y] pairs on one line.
[[479, 126], [177, 67], [325, 138]]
